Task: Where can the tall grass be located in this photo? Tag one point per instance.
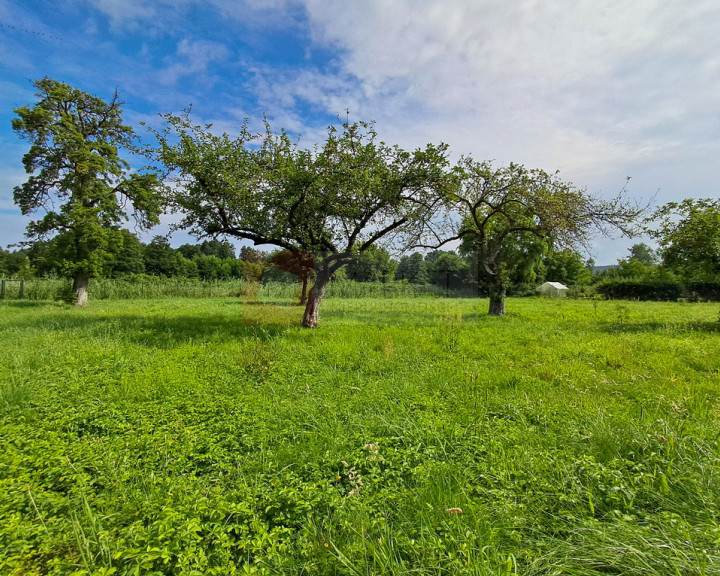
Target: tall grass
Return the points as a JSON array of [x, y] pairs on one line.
[[149, 288], [169, 437], [119, 289]]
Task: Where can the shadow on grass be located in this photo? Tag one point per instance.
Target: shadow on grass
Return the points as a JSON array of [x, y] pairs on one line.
[[398, 317], [31, 304], [280, 303], [648, 327], [157, 331]]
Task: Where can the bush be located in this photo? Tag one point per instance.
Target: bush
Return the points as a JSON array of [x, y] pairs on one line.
[[640, 289], [706, 289], [580, 292]]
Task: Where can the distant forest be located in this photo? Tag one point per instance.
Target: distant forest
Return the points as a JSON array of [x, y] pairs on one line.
[[217, 260]]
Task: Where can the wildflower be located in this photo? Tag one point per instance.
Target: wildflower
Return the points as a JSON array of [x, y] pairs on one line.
[[354, 479], [373, 450]]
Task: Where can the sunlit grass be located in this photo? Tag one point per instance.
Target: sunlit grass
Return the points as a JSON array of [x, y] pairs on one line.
[[165, 436]]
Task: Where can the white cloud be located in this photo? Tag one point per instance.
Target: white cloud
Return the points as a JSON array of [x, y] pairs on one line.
[[162, 14], [575, 85], [122, 12], [599, 90], [91, 28], [193, 59]]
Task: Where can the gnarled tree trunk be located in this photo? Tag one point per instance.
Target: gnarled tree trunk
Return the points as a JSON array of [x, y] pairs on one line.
[[497, 286], [312, 309], [80, 288], [304, 290], [497, 301]]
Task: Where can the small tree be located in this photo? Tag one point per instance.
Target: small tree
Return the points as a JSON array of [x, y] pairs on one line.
[[449, 271], [130, 258], [643, 254], [495, 205], [79, 179], [413, 269], [373, 265], [568, 267], [521, 256], [335, 202], [161, 259]]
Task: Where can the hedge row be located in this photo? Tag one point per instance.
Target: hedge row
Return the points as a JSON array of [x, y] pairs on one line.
[[659, 289], [704, 289]]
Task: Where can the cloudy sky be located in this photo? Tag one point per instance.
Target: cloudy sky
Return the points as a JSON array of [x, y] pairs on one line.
[[599, 90]]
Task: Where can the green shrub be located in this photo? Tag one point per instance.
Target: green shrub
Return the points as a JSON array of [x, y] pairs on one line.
[[705, 289], [640, 289]]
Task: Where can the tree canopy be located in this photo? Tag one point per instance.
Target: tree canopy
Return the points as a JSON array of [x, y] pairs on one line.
[[496, 207], [688, 233], [78, 179], [334, 201], [413, 269]]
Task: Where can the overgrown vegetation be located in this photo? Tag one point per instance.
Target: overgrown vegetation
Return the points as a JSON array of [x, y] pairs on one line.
[[176, 437], [145, 287]]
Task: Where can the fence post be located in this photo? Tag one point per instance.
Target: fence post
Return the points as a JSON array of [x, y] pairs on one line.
[[2, 291], [22, 287]]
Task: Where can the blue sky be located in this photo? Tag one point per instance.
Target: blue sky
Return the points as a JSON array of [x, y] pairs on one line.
[[597, 90]]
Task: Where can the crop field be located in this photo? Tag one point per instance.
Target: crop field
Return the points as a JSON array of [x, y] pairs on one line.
[[403, 436]]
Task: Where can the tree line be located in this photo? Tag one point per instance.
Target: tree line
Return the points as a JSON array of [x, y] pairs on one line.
[[330, 210], [217, 260]]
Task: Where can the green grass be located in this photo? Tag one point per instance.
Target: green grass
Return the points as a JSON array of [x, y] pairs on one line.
[[154, 287], [207, 437]]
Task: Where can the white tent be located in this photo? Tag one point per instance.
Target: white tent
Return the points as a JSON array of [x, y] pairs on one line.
[[554, 289]]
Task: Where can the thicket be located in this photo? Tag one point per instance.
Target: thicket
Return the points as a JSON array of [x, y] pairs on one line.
[[659, 289], [143, 286], [640, 289], [708, 289]]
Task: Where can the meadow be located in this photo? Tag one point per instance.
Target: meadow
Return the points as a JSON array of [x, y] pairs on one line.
[[403, 436]]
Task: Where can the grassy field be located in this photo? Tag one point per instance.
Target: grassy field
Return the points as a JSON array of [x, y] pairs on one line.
[[207, 437]]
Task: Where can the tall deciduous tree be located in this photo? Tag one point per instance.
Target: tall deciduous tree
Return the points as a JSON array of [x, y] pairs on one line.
[[521, 256], [336, 201], [130, 258], [643, 254], [412, 268], [495, 205], [567, 266], [688, 233], [78, 179], [373, 265]]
